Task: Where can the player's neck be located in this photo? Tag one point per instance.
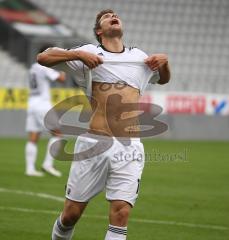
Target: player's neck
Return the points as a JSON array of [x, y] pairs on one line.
[[113, 44]]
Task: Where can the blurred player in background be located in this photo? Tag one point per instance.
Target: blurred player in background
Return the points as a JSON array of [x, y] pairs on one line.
[[39, 103], [120, 178]]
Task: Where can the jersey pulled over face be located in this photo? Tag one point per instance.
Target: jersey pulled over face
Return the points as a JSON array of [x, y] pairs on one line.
[[132, 74], [39, 85]]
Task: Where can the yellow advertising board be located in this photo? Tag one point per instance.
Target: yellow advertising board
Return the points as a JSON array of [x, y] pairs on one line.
[[16, 98]]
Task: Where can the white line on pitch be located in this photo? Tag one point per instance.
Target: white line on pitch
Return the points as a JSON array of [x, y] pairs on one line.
[[34, 194], [136, 220]]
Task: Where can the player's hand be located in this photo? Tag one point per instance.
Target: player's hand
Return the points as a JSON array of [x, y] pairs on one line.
[[90, 59], [156, 61]]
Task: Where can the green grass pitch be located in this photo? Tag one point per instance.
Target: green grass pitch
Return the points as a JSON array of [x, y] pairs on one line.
[[184, 195]]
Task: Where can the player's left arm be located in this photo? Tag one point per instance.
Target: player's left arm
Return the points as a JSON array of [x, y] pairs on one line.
[[159, 62], [62, 77]]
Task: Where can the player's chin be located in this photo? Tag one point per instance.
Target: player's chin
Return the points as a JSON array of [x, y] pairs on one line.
[[117, 31]]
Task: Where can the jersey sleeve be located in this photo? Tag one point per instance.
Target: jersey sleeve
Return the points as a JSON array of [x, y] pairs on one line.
[[141, 53], [79, 65], [154, 75]]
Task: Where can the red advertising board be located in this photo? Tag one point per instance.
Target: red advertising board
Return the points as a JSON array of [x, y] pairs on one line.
[[185, 104]]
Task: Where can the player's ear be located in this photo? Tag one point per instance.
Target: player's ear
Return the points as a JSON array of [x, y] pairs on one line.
[[99, 32]]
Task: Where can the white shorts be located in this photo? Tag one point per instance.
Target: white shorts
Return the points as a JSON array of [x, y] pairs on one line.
[[35, 120], [113, 166]]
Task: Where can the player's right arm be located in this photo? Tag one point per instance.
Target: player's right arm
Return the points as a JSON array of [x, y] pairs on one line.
[[54, 56]]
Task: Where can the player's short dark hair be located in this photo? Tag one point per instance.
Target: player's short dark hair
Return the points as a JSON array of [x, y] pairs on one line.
[[97, 22]]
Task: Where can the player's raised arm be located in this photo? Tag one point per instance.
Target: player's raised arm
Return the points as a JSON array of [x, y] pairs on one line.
[[62, 77], [160, 62], [54, 56]]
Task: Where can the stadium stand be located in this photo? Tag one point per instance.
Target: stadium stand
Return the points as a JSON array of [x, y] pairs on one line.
[[193, 33], [13, 74]]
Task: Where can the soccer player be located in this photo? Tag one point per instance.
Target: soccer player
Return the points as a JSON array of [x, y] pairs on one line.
[[39, 103], [113, 168]]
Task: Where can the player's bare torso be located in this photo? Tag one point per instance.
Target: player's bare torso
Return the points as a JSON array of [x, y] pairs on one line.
[[112, 106]]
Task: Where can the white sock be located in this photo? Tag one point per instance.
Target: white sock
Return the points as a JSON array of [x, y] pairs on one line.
[[61, 232], [116, 233], [48, 162], [30, 156]]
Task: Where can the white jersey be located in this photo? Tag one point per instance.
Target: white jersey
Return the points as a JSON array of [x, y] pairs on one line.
[[134, 75], [39, 86]]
